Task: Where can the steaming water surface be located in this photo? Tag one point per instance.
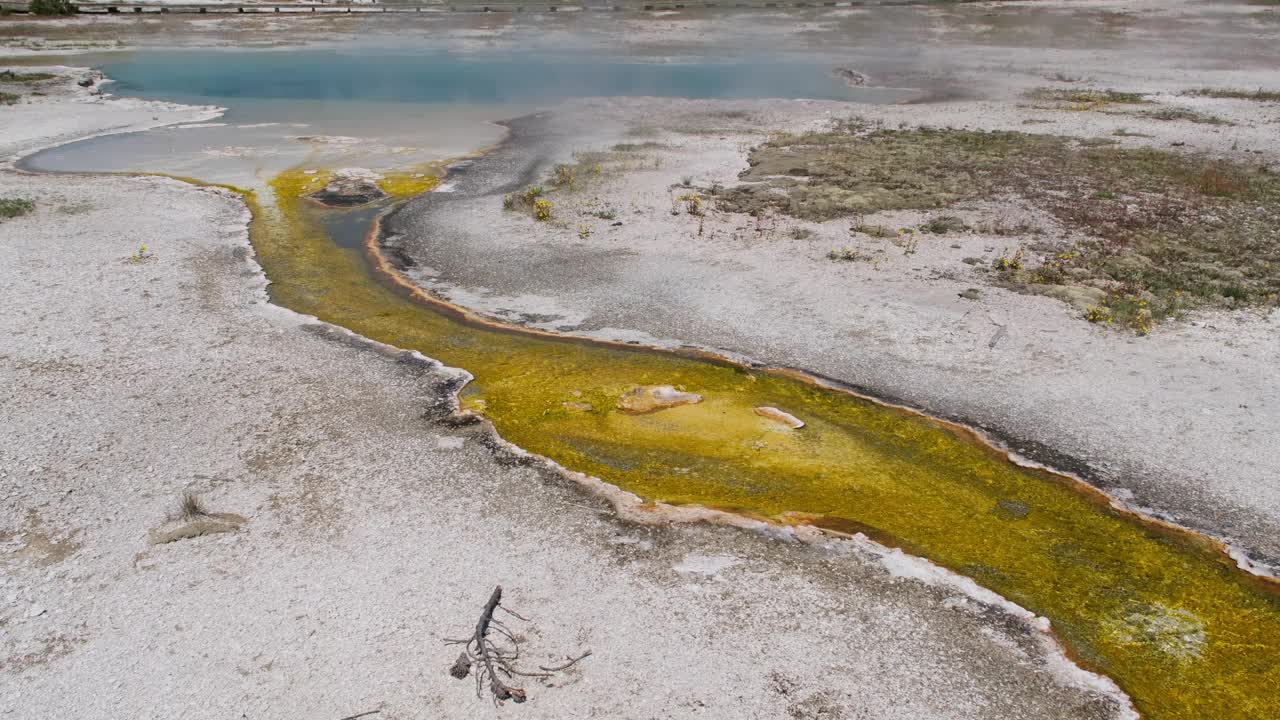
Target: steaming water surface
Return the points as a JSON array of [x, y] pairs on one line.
[[395, 108]]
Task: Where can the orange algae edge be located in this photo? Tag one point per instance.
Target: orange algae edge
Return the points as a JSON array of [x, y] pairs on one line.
[[1163, 612]]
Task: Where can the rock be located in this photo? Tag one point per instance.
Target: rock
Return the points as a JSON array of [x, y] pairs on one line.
[[582, 407], [852, 78], [651, 398], [971, 294], [350, 187], [85, 82], [780, 417]]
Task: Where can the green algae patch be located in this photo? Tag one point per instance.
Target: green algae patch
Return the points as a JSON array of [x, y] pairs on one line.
[[1163, 612]]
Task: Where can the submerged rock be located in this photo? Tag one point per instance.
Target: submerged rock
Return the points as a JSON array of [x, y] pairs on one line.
[[780, 417], [350, 187], [651, 398], [852, 78]]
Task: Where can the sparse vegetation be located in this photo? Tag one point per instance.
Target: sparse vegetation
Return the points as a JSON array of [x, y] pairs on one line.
[[51, 7], [1169, 114], [564, 176], [800, 233], [141, 255], [1170, 230], [9, 98], [635, 147], [190, 507], [605, 214], [542, 210], [1236, 94], [1009, 262], [1084, 96], [847, 254], [11, 76], [944, 225], [15, 207]]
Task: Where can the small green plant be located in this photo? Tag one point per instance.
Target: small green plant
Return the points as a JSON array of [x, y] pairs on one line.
[[190, 507], [907, 240], [1007, 262], [11, 76], [692, 205], [800, 233], [51, 7], [15, 207], [541, 210], [1091, 98], [686, 181], [847, 254], [1235, 94], [141, 255], [584, 231], [1097, 314], [606, 214], [944, 224], [1182, 114], [9, 98], [564, 176], [1104, 195]]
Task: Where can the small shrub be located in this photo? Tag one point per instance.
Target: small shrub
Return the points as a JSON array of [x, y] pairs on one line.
[[606, 214], [800, 233], [1097, 314], [564, 176], [692, 205], [944, 224], [541, 210], [11, 76], [1007, 262], [530, 194], [847, 254], [584, 231], [1175, 114], [190, 507], [141, 255], [1216, 182], [686, 181], [51, 7], [908, 241], [1234, 94], [9, 98], [15, 207]]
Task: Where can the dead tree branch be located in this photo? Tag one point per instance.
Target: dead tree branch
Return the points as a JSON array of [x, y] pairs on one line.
[[492, 651]]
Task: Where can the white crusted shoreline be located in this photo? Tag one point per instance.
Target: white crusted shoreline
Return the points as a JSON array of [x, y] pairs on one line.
[[371, 533]]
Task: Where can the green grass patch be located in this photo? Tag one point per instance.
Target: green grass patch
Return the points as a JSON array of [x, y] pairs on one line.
[[11, 76], [1169, 114], [1085, 96], [1236, 94], [15, 207]]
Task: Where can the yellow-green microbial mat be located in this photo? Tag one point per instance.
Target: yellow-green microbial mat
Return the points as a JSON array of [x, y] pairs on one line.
[[1166, 614]]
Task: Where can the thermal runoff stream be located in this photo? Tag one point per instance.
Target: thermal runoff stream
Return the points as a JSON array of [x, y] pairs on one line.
[[1165, 613]]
